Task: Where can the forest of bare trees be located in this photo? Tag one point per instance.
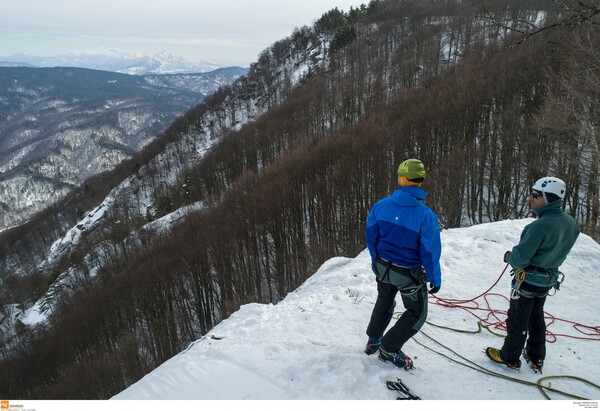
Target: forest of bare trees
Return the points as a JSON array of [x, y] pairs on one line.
[[487, 112]]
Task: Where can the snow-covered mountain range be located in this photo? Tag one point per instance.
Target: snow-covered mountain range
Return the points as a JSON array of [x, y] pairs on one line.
[[114, 60]]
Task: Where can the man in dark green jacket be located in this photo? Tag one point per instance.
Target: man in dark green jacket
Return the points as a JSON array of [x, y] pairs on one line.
[[543, 247]]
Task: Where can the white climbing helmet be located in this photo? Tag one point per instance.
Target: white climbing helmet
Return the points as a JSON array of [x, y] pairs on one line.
[[550, 185]]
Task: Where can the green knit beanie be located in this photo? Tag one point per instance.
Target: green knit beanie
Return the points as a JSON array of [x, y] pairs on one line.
[[412, 169]]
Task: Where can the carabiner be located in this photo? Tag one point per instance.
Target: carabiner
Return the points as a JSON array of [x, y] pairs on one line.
[[519, 275], [519, 278]]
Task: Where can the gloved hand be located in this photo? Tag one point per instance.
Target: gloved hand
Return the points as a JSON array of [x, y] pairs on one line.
[[506, 254], [434, 289]]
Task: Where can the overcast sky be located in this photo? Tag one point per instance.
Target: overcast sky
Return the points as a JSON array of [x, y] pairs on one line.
[[225, 31]]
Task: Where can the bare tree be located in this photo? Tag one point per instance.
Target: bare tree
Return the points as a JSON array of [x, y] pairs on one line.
[[565, 14], [571, 116]]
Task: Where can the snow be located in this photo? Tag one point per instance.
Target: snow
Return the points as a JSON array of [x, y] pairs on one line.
[[34, 315], [310, 345], [73, 236]]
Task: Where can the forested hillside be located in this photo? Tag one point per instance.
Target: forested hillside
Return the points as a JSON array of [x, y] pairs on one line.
[[61, 125], [250, 191]]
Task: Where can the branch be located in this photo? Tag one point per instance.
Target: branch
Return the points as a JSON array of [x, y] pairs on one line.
[[585, 14]]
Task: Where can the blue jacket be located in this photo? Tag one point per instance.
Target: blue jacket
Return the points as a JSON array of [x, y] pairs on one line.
[[403, 230]]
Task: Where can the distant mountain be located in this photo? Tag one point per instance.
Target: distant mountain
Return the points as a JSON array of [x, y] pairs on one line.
[[14, 64], [113, 60], [205, 83], [59, 126]]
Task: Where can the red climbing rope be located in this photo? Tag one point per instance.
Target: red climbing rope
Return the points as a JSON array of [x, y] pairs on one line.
[[495, 319]]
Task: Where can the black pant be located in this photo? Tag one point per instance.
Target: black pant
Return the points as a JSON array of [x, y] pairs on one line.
[[409, 323], [526, 315]]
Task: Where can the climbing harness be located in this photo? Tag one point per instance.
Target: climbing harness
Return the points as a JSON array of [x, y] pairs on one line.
[[519, 277], [398, 270]]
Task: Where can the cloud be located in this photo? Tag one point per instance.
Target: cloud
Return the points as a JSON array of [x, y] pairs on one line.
[[195, 29]]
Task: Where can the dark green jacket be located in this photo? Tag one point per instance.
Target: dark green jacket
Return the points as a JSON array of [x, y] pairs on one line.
[[544, 244]]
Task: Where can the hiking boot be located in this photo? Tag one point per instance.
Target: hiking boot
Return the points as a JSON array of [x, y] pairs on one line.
[[536, 365], [494, 355], [399, 359], [372, 346]]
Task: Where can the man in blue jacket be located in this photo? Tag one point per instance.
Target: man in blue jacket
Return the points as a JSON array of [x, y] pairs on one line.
[[403, 237]]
